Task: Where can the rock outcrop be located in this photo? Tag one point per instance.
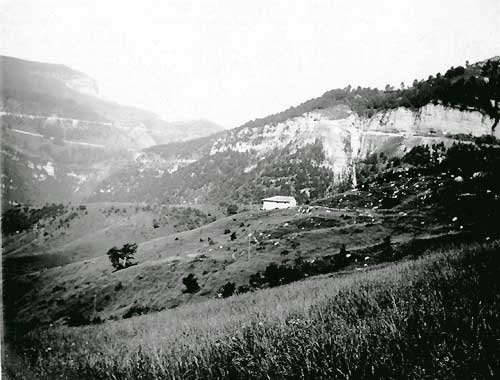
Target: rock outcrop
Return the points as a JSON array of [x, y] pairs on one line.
[[347, 137]]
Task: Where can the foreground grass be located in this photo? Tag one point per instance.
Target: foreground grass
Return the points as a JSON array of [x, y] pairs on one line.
[[437, 317]]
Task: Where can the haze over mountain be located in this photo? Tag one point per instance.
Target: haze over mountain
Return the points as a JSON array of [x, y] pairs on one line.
[[59, 136], [50, 90]]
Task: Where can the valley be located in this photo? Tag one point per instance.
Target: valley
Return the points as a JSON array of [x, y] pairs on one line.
[[53, 115], [398, 199], [59, 273]]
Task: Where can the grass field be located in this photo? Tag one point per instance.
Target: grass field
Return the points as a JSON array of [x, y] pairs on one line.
[[436, 317], [69, 279]]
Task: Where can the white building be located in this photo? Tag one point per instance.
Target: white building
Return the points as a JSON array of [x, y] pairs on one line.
[[278, 201]]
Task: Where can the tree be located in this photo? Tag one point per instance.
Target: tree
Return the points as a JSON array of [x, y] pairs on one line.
[[122, 258], [342, 258], [191, 283], [491, 93]]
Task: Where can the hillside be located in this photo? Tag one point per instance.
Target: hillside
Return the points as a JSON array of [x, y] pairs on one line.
[[419, 234], [398, 206], [435, 317], [311, 151], [63, 233], [53, 117], [58, 271]]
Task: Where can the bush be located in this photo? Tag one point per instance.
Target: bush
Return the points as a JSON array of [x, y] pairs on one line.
[[191, 283], [387, 253], [418, 156], [227, 290], [232, 209]]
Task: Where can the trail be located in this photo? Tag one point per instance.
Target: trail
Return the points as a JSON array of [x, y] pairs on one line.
[[66, 141], [34, 117]]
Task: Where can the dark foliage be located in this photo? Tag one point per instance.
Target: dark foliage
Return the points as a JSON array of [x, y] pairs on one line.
[[285, 273], [227, 290], [387, 251], [24, 218], [122, 258], [191, 283]]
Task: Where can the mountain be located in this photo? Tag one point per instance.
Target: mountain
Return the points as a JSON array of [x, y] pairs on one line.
[[60, 137], [403, 200], [311, 151]]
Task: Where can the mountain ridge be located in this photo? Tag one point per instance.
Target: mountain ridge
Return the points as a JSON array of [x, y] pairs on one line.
[[48, 90], [52, 115], [242, 157], [249, 162]]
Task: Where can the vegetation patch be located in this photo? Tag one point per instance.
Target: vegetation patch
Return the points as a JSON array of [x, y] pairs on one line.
[[436, 317]]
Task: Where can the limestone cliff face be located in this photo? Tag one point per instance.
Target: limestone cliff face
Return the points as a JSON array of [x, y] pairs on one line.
[[284, 157], [347, 137], [67, 77]]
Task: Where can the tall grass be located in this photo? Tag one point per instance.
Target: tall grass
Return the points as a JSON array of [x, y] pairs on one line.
[[436, 317]]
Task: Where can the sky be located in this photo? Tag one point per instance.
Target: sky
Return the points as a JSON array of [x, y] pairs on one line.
[[232, 61]]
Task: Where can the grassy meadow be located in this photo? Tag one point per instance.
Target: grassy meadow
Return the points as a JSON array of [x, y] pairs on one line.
[[435, 317]]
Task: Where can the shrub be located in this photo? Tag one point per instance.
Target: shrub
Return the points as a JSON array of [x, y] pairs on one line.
[[387, 253], [227, 290], [243, 289], [418, 156], [232, 209], [191, 283]]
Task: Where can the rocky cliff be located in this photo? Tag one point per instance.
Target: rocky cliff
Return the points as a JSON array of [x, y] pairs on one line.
[[347, 137], [247, 163]]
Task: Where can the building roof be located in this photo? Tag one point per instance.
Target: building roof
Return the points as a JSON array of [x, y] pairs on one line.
[[279, 199]]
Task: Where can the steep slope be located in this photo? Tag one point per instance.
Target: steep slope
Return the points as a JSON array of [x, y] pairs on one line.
[[307, 156], [57, 92], [311, 150], [53, 116]]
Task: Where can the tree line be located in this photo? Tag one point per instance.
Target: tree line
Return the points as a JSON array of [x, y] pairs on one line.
[[473, 87]]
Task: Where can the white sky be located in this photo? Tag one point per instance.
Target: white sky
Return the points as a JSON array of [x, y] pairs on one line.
[[232, 61]]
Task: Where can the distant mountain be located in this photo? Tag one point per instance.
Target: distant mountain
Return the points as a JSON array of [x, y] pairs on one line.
[[311, 150], [58, 92], [52, 116], [195, 128]]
